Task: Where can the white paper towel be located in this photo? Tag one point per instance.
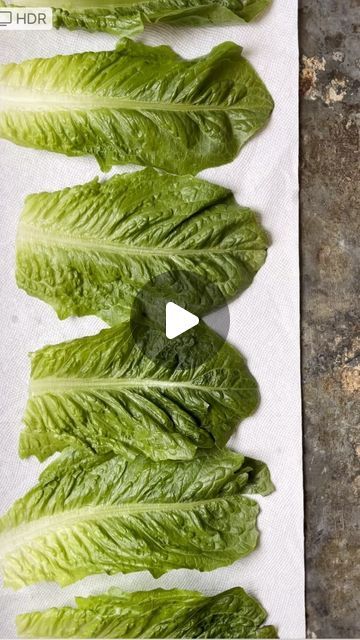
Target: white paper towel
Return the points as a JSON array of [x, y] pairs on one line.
[[264, 320]]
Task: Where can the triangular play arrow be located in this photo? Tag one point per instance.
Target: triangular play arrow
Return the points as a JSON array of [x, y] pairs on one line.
[[178, 320]]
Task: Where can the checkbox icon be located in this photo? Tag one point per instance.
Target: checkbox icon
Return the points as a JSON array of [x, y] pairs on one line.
[[5, 18]]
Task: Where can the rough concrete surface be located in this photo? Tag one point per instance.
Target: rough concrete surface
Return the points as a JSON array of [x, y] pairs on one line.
[[330, 229]]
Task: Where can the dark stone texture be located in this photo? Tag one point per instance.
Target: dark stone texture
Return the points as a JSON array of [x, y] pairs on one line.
[[330, 232]]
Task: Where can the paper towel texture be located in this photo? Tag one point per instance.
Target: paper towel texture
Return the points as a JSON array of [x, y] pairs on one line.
[[264, 320]]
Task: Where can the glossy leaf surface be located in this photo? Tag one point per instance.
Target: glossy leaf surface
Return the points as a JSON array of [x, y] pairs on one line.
[[130, 17], [102, 392], [90, 249], [152, 614], [94, 514], [138, 104]]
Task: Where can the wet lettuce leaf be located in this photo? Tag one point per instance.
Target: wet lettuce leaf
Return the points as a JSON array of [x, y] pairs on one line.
[[102, 514], [129, 18], [90, 249], [103, 392], [152, 614], [138, 104]]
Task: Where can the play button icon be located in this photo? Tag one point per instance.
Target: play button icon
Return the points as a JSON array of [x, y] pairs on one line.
[[178, 320], [170, 322]]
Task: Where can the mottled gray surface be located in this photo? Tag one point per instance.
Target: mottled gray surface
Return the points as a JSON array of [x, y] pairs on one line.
[[330, 227]]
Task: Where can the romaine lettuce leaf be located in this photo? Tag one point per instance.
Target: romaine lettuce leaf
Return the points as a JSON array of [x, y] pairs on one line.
[[152, 614], [128, 18], [102, 514], [90, 249], [104, 393], [138, 104]]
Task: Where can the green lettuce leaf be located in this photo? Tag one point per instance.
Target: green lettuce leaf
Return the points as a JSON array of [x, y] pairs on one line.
[[104, 393], [138, 104], [129, 18], [90, 249], [152, 614], [102, 514]]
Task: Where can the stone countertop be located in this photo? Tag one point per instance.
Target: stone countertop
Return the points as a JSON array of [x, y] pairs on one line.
[[330, 256]]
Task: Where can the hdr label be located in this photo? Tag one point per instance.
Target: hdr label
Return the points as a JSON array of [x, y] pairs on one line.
[[26, 19]]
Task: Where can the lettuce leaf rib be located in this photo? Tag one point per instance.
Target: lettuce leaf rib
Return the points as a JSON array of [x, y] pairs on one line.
[[104, 393], [138, 104], [130, 17], [94, 514], [90, 249], [152, 614]]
